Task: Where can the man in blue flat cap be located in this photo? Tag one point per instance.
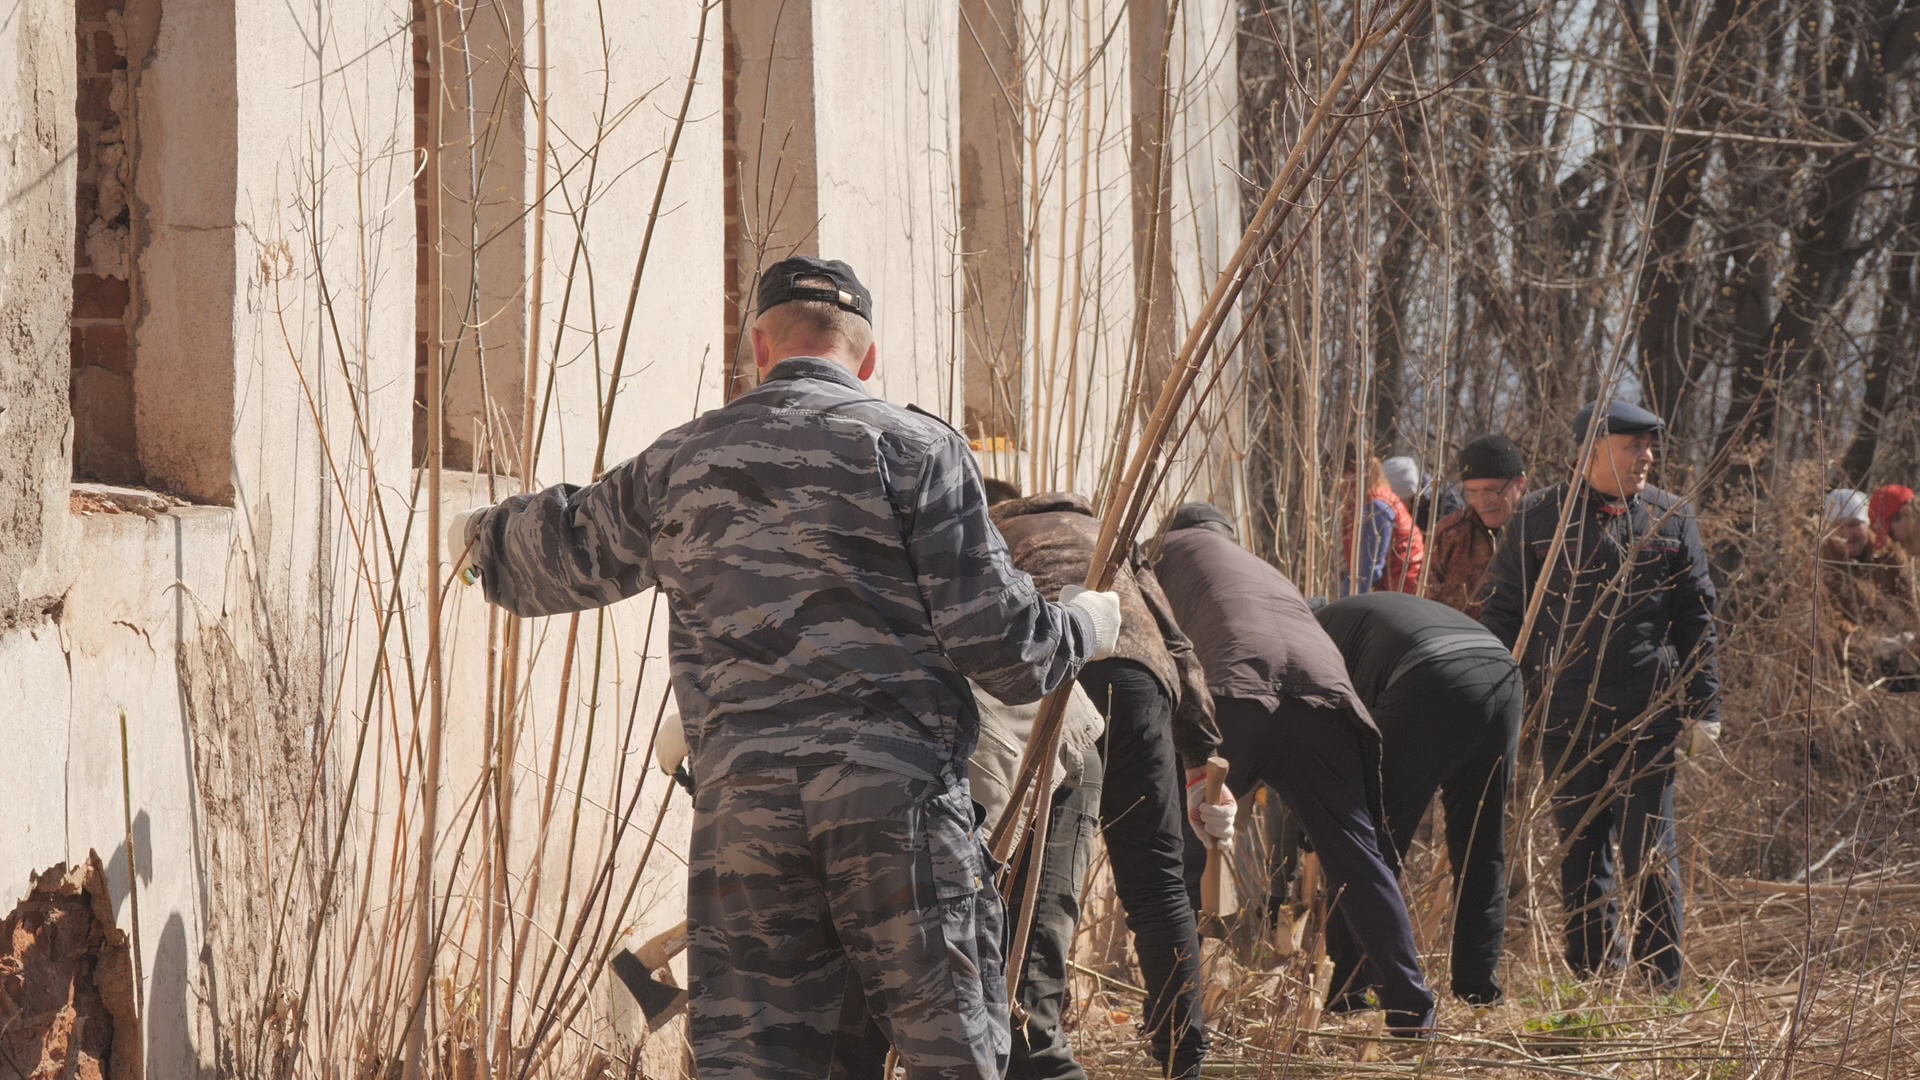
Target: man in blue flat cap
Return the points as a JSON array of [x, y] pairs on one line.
[[1620, 655]]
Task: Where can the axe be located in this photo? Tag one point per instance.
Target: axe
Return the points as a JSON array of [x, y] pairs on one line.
[[1216, 882], [659, 999]]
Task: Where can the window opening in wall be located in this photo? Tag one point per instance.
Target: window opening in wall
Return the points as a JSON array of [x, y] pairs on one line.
[[152, 382], [481, 237], [994, 259], [769, 155], [101, 393]]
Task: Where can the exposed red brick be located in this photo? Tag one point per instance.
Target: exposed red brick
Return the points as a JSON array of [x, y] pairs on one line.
[[95, 101], [104, 447], [96, 297], [106, 57], [67, 979], [95, 10], [103, 345]]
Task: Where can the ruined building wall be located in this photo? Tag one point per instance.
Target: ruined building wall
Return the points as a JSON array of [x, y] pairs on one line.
[[213, 350]]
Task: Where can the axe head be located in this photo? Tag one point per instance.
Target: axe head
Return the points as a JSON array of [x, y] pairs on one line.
[[660, 1000]]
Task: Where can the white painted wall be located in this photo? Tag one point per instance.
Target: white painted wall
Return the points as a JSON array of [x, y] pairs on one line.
[[887, 131], [1081, 288], [241, 642]]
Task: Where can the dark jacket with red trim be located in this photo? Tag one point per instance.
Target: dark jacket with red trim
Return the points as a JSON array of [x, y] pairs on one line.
[[1626, 626]]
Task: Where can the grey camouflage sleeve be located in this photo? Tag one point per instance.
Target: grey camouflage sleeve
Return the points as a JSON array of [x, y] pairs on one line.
[[567, 548], [991, 620]]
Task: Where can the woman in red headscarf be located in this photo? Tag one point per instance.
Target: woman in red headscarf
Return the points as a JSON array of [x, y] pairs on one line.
[[1892, 515], [1895, 519]]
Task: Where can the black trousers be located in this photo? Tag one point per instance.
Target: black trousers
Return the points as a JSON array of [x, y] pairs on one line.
[[1040, 1049], [1143, 817], [1618, 793], [1452, 726], [1314, 759]]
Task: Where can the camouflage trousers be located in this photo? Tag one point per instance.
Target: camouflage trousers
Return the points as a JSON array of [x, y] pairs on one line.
[[803, 880]]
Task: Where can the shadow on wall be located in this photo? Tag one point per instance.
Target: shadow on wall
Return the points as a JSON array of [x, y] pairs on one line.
[[169, 1017]]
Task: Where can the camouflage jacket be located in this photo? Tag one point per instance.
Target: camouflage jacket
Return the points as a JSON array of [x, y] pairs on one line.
[[831, 572]]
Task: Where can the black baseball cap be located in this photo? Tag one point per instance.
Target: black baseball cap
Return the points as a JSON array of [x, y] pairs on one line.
[[1491, 457], [778, 285]]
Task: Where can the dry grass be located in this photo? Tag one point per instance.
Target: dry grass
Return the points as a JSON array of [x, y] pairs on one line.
[[1789, 972]]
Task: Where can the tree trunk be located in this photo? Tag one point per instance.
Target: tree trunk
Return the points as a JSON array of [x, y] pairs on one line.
[[1824, 253], [1891, 339]]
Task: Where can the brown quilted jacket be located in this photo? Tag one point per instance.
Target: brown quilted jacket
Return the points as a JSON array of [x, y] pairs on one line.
[[1052, 537]]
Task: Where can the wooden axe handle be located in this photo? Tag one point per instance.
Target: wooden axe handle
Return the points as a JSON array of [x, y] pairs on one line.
[[1216, 892], [662, 947]]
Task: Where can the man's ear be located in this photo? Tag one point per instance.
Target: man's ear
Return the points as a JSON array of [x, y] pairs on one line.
[[869, 362], [762, 349]]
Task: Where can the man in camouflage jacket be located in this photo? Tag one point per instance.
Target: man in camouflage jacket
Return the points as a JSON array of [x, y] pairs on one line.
[[833, 580]]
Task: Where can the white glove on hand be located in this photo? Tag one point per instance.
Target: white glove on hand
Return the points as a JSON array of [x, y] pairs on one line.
[[1891, 651], [458, 552], [670, 745], [1212, 821], [1104, 609], [1702, 736]]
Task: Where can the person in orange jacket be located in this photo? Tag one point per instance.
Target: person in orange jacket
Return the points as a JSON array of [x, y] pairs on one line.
[[1390, 549]]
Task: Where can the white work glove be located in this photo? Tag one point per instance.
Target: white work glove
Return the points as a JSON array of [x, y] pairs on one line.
[[1211, 821], [1104, 609], [1891, 652], [670, 745], [1702, 736], [458, 552]]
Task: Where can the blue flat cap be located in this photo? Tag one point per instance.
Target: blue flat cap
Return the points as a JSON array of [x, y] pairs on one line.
[[1621, 419]]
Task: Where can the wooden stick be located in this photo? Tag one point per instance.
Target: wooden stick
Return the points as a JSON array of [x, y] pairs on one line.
[[1216, 885], [1132, 489], [1318, 968], [414, 1057], [1864, 890]]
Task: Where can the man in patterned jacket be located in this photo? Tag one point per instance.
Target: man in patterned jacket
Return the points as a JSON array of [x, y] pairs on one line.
[[833, 580], [1494, 477]]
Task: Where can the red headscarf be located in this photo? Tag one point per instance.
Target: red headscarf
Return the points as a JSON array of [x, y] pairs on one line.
[[1886, 503]]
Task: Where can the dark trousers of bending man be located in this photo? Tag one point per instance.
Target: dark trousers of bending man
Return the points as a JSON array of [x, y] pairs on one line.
[[1448, 699], [1144, 820]]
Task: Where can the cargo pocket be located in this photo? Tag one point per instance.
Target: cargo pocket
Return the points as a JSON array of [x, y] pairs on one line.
[[990, 944], [969, 911]]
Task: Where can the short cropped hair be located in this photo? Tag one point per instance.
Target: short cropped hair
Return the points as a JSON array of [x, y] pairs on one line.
[[999, 491], [816, 319]]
